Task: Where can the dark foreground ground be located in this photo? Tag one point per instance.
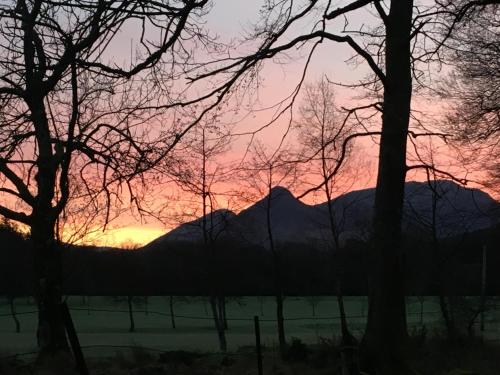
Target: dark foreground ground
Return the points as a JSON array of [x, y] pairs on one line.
[[428, 357]]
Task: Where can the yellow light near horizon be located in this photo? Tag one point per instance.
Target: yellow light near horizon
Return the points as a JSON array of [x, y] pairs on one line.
[[127, 237]]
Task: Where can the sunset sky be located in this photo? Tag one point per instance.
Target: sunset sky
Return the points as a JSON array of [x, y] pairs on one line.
[[232, 20]]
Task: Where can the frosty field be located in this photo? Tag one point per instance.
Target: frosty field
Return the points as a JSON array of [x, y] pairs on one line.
[[103, 323]]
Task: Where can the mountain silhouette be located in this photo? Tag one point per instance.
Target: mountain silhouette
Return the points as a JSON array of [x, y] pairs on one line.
[[192, 231], [457, 210]]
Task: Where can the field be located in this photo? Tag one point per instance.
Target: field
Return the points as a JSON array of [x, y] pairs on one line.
[[103, 323]]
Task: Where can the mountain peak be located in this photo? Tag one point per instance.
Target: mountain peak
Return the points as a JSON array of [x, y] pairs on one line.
[[281, 192], [459, 210], [193, 230]]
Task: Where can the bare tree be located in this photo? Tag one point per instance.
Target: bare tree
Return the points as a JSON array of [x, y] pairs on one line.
[[441, 260], [69, 113], [322, 133], [199, 170], [264, 173], [399, 51], [473, 52], [171, 310], [313, 301], [13, 312]]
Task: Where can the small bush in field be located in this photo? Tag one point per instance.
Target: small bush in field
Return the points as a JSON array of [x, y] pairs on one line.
[[418, 336], [141, 355], [297, 351], [179, 357], [227, 361], [324, 354]]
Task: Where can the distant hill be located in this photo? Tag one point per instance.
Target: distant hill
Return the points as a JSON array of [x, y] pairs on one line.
[[458, 210], [193, 230], [177, 263], [291, 220]]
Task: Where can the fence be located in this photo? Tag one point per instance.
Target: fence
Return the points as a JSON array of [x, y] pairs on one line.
[[103, 324]]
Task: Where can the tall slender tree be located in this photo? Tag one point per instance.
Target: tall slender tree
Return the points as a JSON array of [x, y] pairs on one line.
[[199, 173], [321, 134], [398, 50], [69, 112], [266, 174], [473, 51]]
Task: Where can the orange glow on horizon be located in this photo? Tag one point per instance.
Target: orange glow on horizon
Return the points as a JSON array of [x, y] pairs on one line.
[[127, 237]]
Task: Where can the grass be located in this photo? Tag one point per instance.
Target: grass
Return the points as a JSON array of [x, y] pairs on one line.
[[432, 357], [103, 324], [104, 321]]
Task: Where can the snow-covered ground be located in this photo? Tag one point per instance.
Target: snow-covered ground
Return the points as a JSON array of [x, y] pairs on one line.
[[103, 323]]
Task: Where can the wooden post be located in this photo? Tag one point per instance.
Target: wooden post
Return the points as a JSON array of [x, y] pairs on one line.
[[73, 339], [13, 313], [131, 313], [172, 316], [257, 345], [483, 288]]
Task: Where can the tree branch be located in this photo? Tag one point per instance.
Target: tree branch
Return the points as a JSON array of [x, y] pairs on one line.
[[348, 8], [339, 163], [13, 215], [23, 190], [428, 167]]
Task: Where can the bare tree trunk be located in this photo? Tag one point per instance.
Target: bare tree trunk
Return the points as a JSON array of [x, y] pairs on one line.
[[483, 288], [281, 324], [451, 331], [219, 324], [205, 306], [51, 332], [385, 340], [131, 313], [343, 319], [222, 309], [279, 304], [278, 290], [280, 320], [209, 245], [13, 313], [349, 344], [172, 316], [215, 303], [421, 300]]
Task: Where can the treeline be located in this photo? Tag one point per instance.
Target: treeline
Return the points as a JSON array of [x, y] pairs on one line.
[[181, 268]]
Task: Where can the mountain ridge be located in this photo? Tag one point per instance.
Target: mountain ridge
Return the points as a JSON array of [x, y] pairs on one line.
[[459, 209]]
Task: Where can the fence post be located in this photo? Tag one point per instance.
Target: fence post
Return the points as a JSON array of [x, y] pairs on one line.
[[257, 344], [73, 339], [483, 288]]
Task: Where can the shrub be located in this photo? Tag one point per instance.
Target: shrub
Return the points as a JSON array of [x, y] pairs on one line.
[[179, 357], [297, 351]]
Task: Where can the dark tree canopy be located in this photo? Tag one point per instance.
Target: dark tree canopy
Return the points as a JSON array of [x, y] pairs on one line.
[[76, 123], [475, 54]]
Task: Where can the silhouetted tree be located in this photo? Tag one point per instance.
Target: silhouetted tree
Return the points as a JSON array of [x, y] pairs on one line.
[[473, 50], [13, 313], [171, 310], [130, 301], [198, 172], [322, 133], [398, 51], [73, 121], [266, 174]]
